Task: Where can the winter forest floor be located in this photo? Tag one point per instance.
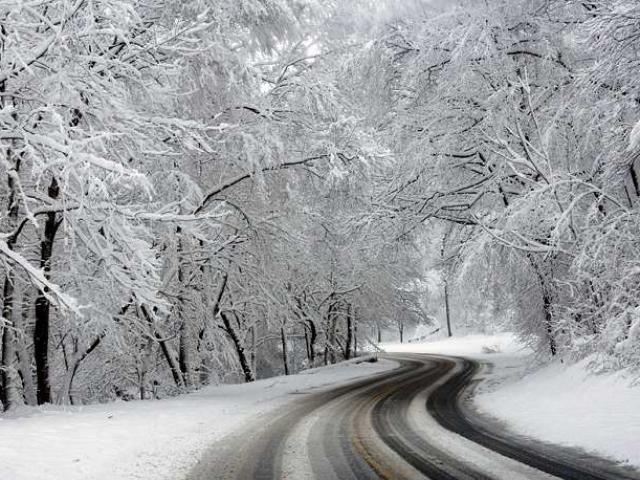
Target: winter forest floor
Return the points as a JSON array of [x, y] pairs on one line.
[[152, 439], [558, 403]]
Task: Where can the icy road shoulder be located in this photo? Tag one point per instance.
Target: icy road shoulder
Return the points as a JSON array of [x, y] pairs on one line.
[[152, 439]]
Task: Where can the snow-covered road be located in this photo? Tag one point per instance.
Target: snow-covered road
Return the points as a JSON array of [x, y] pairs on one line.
[[562, 403], [404, 424]]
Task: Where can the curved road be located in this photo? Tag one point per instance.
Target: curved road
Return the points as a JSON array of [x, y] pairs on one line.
[[409, 423]]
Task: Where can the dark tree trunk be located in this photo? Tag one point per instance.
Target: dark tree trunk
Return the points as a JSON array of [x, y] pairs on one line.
[[11, 395], [43, 306], [445, 273], [171, 361], [165, 348], [330, 342], [447, 307], [548, 320], [240, 351], [285, 360], [349, 342], [547, 305], [634, 178], [24, 355], [202, 367], [313, 336], [355, 335], [252, 358], [8, 393], [184, 353], [215, 310]]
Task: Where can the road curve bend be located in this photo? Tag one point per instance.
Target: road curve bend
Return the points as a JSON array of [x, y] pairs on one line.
[[409, 423]]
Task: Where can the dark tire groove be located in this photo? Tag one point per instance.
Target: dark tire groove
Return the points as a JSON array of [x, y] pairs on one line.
[[444, 404], [389, 415]]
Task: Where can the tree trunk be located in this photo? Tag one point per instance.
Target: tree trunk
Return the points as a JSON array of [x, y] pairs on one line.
[[284, 350], [548, 318], [306, 341], [171, 361], [11, 395], [240, 351], [355, 335], [186, 340], [43, 306], [330, 341], [445, 273], [446, 307], [185, 354], [28, 385], [67, 381], [203, 360], [313, 336], [215, 310], [253, 348], [148, 354], [24, 356], [547, 305], [634, 178], [142, 379], [168, 353], [11, 392], [72, 368], [349, 342]]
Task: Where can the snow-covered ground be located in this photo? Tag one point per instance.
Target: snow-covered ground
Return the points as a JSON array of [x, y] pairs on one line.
[[152, 439], [476, 346], [559, 403], [570, 406]]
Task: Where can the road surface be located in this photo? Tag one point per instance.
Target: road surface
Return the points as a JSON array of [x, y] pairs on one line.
[[410, 423]]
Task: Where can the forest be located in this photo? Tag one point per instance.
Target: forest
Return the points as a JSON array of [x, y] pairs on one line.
[[209, 191]]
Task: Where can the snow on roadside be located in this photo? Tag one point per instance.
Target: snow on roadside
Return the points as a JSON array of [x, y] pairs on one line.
[[470, 345], [568, 405], [560, 403], [152, 439]]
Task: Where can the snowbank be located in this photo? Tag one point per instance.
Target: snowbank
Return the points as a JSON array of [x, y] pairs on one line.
[[470, 345], [151, 439], [568, 405], [559, 403]]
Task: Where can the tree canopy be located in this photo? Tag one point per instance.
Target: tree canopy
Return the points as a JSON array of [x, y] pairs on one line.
[[205, 191]]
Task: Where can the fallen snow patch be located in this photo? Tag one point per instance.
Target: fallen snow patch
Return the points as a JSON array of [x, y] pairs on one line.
[[568, 405], [470, 345], [152, 439]]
